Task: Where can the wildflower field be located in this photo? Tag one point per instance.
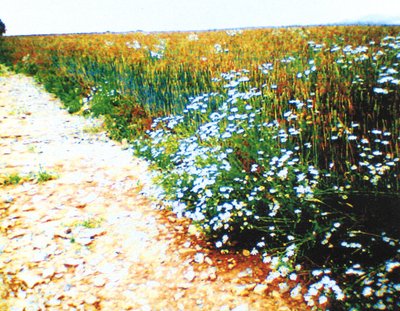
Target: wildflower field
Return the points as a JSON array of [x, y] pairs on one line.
[[284, 142]]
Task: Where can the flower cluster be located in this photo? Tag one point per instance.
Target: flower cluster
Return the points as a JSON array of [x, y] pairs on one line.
[[241, 175]]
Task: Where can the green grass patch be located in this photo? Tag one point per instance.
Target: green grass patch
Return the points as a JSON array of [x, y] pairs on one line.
[[11, 179], [93, 129], [16, 178], [89, 223]]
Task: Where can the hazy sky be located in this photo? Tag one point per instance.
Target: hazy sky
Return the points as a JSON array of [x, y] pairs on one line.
[[72, 16]]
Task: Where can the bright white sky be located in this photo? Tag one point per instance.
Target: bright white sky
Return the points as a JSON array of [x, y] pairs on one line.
[[74, 16]]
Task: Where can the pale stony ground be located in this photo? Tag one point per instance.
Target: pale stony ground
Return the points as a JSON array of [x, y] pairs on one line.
[[88, 240]]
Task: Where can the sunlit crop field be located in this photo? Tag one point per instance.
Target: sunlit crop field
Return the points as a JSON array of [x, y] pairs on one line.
[[284, 142]]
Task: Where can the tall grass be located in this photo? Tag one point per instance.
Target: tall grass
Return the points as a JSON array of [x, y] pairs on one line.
[[285, 141]]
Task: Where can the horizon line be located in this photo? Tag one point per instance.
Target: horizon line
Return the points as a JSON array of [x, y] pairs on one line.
[[350, 24]]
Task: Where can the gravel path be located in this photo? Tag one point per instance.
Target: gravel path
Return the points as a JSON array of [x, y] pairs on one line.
[[87, 240]]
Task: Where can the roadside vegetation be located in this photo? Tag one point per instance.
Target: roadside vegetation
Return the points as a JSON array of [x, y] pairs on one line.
[[283, 142]]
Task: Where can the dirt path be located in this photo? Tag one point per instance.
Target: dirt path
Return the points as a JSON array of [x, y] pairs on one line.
[[87, 240]]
